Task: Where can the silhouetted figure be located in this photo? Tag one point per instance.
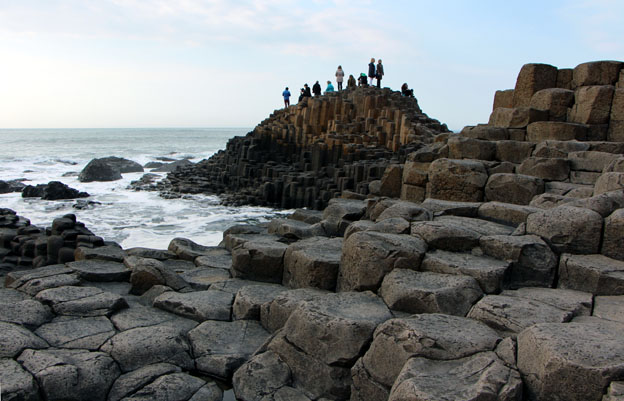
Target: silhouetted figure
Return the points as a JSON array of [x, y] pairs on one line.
[[316, 89], [286, 95], [405, 91], [362, 80], [371, 70], [301, 94], [339, 77], [351, 82], [380, 73], [306, 91]]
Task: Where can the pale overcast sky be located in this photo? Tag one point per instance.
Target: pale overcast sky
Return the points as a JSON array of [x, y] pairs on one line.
[[218, 63]]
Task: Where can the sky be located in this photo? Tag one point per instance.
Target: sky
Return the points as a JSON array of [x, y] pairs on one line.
[[225, 63]]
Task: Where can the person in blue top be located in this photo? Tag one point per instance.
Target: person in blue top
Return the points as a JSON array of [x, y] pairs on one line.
[[286, 95], [330, 87]]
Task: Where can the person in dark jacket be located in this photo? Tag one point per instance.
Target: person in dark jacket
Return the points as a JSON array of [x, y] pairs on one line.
[[405, 91], [316, 89], [301, 94], [371, 71], [351, 82], [307, 91], [362, 80], [380, 73]]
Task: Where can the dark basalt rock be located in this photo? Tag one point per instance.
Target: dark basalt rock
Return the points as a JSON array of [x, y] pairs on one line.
[[108, 169]]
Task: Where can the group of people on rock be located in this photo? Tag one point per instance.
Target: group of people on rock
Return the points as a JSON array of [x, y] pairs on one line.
[[375, 72]]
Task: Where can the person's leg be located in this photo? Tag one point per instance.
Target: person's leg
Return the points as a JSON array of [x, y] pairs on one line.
[[379, 82]]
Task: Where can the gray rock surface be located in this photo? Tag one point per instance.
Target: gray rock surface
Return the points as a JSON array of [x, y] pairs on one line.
[[368, 256], [572, 361], [274, 314], [178, 387], [489, 273], [14, 339], [33, 281], [147, 273], [596, 274], [335, 328], [188, 250], [250, 299], [426, 292], [261, 259], [481, 376], [142, 346], [294, 229], [202, 278], [71, 374], [609, 308], [199, 306], [447, 234], [71, 332], [110, 253], [222, 347], [98, 270], [129, 383], [28, 313], [261, 376], [313, 262], [82, 301], [144, 316], [17, 384]]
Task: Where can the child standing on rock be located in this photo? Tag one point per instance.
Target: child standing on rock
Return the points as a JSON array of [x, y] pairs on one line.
[[339, 77]]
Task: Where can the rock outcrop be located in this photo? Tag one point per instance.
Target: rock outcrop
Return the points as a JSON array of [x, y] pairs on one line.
[[498, 274]]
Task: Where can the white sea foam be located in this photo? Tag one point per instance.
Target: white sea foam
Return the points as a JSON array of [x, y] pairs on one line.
[[128, 217]]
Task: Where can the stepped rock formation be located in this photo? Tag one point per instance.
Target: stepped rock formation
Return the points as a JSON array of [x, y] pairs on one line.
[[306, 154], [492, 269]]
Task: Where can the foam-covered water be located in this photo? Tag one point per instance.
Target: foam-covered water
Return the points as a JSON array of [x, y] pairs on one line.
[[131, 218]]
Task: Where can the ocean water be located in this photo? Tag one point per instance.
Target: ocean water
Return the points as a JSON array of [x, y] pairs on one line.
[[128, 217]]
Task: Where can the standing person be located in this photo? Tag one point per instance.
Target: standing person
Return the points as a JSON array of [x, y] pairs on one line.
[[316, 89], [330, 87], [351, 82], [306, 92], [380, 73], [339, 77], [371, 71], [286, 95]]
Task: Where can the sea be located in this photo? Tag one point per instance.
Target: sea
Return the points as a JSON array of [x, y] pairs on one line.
[[115, 212]]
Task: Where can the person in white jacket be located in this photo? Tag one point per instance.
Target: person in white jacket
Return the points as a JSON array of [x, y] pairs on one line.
[[339, 77]]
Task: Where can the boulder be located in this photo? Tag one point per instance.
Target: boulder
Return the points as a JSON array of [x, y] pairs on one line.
[[612, 238], [294, 229], [27, 312], [336, 328], [81, 301], [551, 169], [440, 207], [426, 292], [461, 147], [222, 347], [503, 98], [263, 375], [54, 190], [597, 73], [33, 281], [99, 170], [199, 306], [590, 160], [357, 226], [489, 273], [177, 386], [457, 180], [415, 173], [572, 361], [564, 78], [519, 117], [406, 210], [173, 166], [368, 256], [14, 339], [604, 204], [556, 130], [596, 274], [391, 181], [339, 213], [481, 376], [71, 374], [100, 271], [250, 299], [83, 332], [447, 234], [609, 308], [432, 336], [275, 313], [103, 253], [510, 315], [531, 79], [533, 264], [506, 213], [135, 348], [513, 188], [261, 259], [611, 181], [593, 105], [17, 384], [513, 151], [567, 229], [554, 100], [147, 273], [310, 375], [392, 225], [313, 262], [129, 383], [188, 250]]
